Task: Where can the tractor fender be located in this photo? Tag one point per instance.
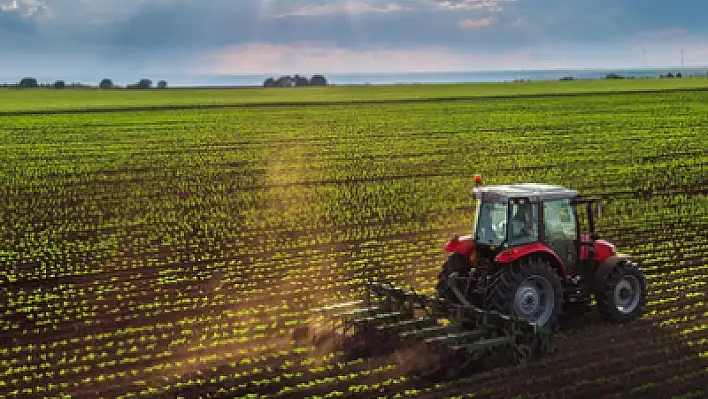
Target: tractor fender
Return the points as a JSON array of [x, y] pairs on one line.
[[606, 267], [513, 254], [464, 245]]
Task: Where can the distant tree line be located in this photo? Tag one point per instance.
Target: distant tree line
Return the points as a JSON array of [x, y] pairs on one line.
[[283, 81], [31, 83], [295, 81], [671, 75], [613, 75]]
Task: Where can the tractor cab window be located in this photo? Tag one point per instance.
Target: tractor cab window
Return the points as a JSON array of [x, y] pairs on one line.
[[523, 228], [491, 223], [560, 230], [559, 219]]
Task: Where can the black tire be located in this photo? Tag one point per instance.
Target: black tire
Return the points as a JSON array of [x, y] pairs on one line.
[[624, 294], [454, 263], [537, 285]]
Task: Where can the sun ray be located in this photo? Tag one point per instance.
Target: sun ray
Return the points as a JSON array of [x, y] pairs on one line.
[[262, 16], [357, 31]]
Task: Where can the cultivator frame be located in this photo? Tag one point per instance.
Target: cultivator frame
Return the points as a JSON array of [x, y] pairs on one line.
[[389, 314]]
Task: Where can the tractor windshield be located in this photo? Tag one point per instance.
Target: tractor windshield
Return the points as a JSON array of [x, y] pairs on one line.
[[491, 223]]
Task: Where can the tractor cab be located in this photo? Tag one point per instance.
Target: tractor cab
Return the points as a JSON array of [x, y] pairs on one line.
[[519, 215]]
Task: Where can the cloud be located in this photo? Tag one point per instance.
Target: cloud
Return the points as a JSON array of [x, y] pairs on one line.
[[476, 23], [467, 5], [16, 20], [187, 34], [26, 8], [14, 5], [346, 7], [161, 25]]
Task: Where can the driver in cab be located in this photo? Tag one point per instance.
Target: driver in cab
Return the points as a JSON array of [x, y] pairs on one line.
[[522, 224]]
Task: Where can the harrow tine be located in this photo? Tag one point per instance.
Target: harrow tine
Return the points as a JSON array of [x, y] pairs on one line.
[[455, 338], [402, 326], [426, 331], [379, 318], [357, 311]]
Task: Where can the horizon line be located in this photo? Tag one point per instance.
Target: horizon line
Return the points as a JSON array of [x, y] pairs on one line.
[[44, 80]]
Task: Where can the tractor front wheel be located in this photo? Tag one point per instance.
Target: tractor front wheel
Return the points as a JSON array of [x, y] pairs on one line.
[[529, 289], [624, 294]]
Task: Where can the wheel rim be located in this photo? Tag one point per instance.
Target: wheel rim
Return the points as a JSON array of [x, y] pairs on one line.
[[534, 300], [627, 294]]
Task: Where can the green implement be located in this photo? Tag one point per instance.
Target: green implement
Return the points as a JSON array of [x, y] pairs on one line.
[[391, 314]]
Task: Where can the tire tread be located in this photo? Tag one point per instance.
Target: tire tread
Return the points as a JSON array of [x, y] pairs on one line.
[[605, 297]]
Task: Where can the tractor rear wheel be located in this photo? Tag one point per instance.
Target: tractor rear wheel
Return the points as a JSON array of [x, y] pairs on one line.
[[529, 289], [624, 294]]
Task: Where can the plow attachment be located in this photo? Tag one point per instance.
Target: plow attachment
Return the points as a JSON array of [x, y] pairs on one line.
[[389, 315]]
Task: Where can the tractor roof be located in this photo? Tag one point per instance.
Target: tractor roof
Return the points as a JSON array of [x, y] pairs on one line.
[[533, 191]]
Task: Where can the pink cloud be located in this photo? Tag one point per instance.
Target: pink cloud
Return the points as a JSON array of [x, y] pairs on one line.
[[313, 58], [476, 23]]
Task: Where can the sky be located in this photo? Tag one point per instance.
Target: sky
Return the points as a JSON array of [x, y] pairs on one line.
[[215, 37]]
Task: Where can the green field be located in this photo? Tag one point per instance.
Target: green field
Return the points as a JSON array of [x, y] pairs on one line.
[[171, 252], [14, 100]]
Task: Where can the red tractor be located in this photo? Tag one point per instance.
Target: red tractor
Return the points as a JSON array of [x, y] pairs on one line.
[[528, 255], [533, 249]]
